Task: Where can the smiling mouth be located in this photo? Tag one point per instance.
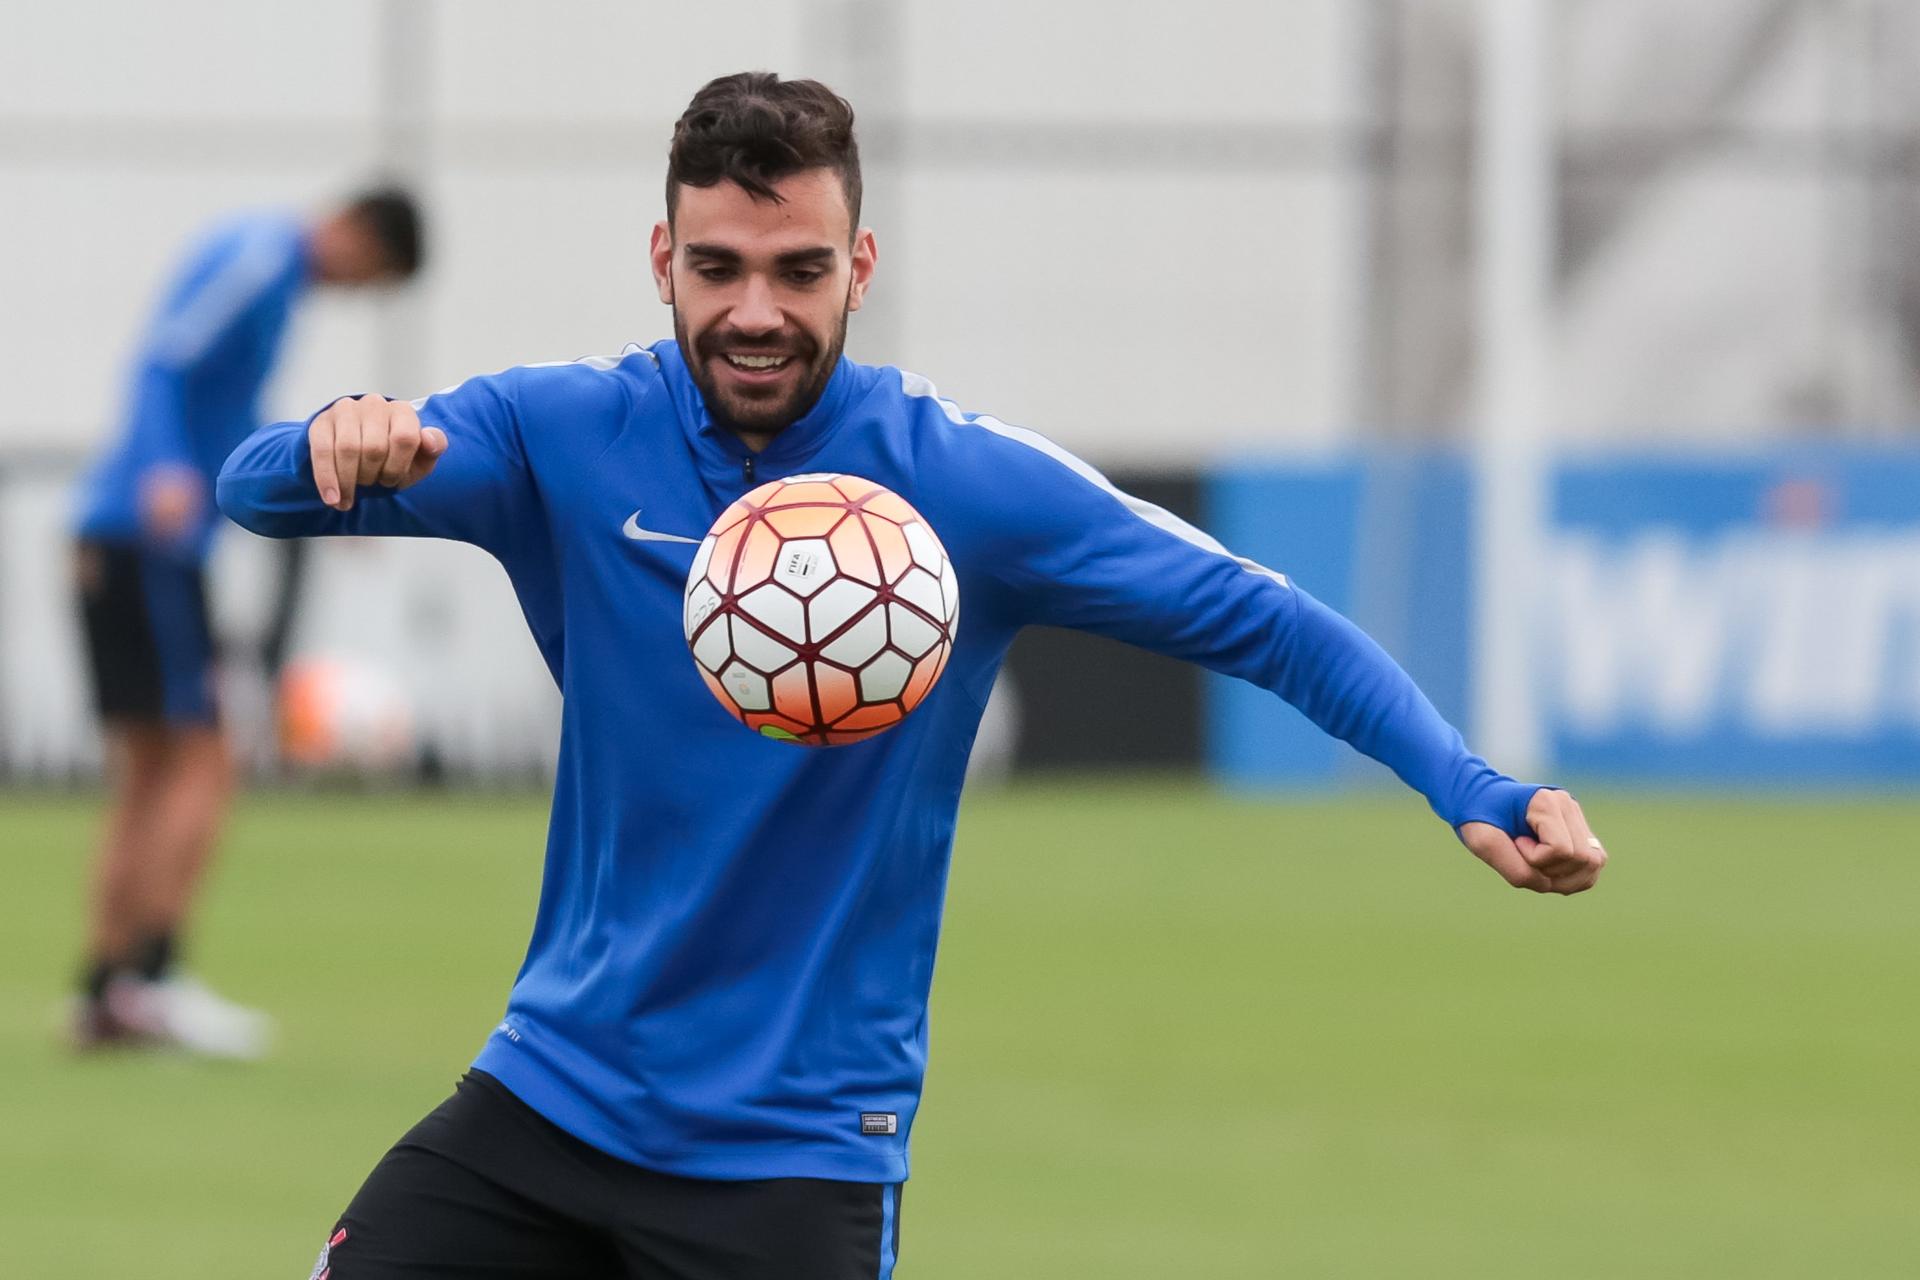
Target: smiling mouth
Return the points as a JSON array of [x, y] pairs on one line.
[[757, 364]]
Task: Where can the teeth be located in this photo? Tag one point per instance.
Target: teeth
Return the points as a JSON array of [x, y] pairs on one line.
[[757, 362]]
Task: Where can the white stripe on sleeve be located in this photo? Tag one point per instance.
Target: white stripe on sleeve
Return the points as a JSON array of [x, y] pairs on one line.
[[1159, 517], [183, 336]]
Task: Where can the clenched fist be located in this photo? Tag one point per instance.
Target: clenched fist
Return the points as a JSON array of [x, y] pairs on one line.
[[1562, 856], [371, 440]]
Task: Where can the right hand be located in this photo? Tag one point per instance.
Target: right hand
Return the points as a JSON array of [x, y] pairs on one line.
[[372, 440], [1561, 856], [170, 498]]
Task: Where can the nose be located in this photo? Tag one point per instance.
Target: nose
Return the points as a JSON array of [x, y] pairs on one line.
[[755, 312]]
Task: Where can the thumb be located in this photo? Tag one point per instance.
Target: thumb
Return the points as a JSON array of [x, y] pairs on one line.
[[1498, 850], [433, 443], [1539, 853]]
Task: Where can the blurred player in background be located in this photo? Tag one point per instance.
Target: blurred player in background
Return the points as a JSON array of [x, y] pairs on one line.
[[713, 1054], [145, 531]]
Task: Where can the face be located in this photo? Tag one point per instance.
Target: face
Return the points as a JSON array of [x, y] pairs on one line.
[[347, 253], [760, 292]]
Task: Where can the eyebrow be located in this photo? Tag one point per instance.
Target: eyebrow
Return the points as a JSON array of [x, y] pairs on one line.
[[791, 258]]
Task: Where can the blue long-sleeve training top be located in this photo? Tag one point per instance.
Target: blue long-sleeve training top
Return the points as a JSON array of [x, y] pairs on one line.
[[735, 939], [194, 391]]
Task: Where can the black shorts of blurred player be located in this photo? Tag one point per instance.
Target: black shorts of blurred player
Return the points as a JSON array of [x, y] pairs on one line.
[[151, 655], [487, 1187]]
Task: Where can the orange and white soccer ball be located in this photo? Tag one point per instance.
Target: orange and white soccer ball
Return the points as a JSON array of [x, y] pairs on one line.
[[821, 609], [343, 715]]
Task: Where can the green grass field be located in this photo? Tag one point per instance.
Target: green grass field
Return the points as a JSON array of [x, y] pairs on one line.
[[1174, 1035]]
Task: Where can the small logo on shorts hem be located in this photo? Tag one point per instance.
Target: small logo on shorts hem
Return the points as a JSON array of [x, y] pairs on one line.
[[879, 1124]]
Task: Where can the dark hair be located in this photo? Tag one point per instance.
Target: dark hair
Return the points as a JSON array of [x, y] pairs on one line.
[[754, 129], [390, 215]]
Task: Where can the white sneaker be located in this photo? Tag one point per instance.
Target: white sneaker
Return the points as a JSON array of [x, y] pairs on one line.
[[182, 1011]]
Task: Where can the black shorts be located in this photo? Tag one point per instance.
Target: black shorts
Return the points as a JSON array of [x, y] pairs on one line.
[[487, 1187], [149, 640]]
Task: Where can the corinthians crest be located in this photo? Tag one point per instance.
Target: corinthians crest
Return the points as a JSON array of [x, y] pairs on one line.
[[324, 1267]]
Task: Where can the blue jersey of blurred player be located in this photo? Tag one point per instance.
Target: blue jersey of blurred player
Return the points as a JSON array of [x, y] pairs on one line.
[[145, 527], [712, 1057]]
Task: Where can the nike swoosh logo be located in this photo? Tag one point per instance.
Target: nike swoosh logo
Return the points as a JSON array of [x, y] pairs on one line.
[[633, 530]]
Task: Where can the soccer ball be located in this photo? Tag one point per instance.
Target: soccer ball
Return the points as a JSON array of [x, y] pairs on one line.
[[341, 715], [821, 609]]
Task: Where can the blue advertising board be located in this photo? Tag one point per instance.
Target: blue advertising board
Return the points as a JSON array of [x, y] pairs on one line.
[[1748, 618]]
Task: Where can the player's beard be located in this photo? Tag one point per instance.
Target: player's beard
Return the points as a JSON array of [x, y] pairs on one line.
[[760, 416]]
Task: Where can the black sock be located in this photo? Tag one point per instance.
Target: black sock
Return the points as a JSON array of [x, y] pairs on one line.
[[95, 977], [153, 958]]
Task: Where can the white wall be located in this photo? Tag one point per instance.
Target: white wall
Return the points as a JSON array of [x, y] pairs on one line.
[[1031, 289], [1133, 282]]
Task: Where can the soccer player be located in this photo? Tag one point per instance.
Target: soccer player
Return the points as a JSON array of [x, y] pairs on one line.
[[145, 529], [711, 1059]]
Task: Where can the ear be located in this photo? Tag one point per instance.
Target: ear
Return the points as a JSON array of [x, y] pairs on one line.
[[660, 255], [866, 253]]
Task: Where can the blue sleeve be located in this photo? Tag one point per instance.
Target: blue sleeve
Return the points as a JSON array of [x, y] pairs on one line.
[[1079, 553], [222, 283], [481, 491], [216, 292], [159, 406], [1349, 686]]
